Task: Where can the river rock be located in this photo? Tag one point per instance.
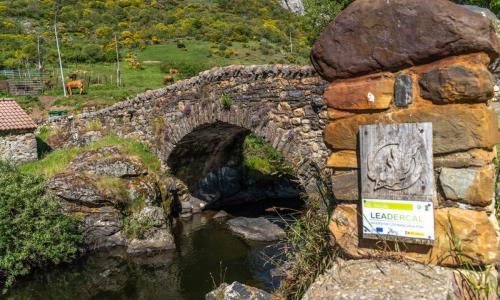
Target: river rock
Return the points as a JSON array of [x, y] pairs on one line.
[[257, 229], [384, 279], [365, 93], [363, 38], [471, 185], [455, 127], [221, 214], [156, 237], [157, 240], [102, 226], [78, 188], [474, 229], [96, 187], [237, 291], [457, 83]]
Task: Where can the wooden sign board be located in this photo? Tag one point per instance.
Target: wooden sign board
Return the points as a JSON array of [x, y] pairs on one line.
[[397, 182]]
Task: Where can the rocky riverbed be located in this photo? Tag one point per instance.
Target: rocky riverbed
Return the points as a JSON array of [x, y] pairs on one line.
[[205, 249]]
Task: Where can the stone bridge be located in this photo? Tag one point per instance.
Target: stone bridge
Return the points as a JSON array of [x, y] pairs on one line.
[[281, 103]]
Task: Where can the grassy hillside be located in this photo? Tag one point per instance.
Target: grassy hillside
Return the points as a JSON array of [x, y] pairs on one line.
[[155, 60], [88, 28], [152, 36]]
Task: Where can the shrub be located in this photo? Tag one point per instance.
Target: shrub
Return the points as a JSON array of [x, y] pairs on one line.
[[33, 232]]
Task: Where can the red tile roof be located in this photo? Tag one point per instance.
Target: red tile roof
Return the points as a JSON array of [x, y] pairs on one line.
[[13, 117]]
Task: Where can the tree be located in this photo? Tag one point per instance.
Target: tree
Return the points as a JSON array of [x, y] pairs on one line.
[[319, 13], [493, 5]]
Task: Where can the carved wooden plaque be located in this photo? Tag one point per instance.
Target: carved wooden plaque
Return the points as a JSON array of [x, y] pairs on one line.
[[397, 182]]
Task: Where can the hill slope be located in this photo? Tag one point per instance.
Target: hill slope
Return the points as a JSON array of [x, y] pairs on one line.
[[88, 28]]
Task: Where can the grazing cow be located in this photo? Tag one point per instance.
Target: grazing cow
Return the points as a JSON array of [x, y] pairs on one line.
[[173, 71], [48, 83], [74, 84], [168, 79]]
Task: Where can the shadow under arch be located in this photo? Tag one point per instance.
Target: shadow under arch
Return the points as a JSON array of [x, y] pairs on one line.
[[209, 160]]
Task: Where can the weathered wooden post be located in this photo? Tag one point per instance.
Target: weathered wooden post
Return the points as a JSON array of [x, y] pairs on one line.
[[421, 66]]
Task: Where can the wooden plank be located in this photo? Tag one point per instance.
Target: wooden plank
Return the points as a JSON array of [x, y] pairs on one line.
[[396, 161], [397, 182]]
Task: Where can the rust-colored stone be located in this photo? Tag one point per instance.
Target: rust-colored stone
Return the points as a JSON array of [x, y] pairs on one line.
[[334, 114], [471, 158], [455, 127], [457, 83], [474, 186], [374, 92], [472, 231], [343, 159]]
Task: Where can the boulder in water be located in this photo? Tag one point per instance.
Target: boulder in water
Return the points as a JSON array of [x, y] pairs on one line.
[[257, 229], [237, 291]]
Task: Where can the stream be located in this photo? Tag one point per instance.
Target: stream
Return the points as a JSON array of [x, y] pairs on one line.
[[207, 254]]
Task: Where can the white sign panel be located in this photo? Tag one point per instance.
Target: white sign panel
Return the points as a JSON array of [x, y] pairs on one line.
[[397, 182], [398, 218]]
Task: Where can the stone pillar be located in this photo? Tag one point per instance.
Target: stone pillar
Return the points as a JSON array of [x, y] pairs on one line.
[[409, 61]]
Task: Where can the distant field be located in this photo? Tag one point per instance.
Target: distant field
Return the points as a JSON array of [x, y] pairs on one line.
[[103, 91]]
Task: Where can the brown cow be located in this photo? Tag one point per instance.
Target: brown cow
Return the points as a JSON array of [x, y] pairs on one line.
[[168, 79], [173, 71], [74, 84]]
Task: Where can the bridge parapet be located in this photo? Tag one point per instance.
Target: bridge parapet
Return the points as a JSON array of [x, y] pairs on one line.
[[281, 103]]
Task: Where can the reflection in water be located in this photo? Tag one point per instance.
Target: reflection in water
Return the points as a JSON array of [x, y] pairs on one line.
[[203, 246]]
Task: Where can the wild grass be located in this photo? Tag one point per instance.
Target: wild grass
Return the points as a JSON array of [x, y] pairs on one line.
[[309, 252], [114, 186], [475, 281], [308, 247], [57, 161]]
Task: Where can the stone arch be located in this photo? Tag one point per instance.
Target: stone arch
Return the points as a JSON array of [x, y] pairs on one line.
[[209, 162], [283, 104]]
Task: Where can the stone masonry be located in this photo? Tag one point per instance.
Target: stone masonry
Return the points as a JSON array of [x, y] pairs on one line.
[[280, 103], [17, 134], [431, 67]]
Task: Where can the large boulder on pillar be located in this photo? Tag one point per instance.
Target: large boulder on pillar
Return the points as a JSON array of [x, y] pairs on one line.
[[372, 36]]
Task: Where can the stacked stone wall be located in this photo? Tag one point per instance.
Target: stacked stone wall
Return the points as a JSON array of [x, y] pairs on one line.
[[411, 80], [18, 147], [280, 103]]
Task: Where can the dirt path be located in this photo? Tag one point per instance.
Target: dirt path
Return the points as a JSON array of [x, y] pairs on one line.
[[40, 113], [47, 101]]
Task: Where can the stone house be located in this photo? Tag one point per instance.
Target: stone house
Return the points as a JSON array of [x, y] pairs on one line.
[[17, 134]]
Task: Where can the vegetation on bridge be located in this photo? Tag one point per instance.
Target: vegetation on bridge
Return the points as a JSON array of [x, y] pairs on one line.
[[57, 161]]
